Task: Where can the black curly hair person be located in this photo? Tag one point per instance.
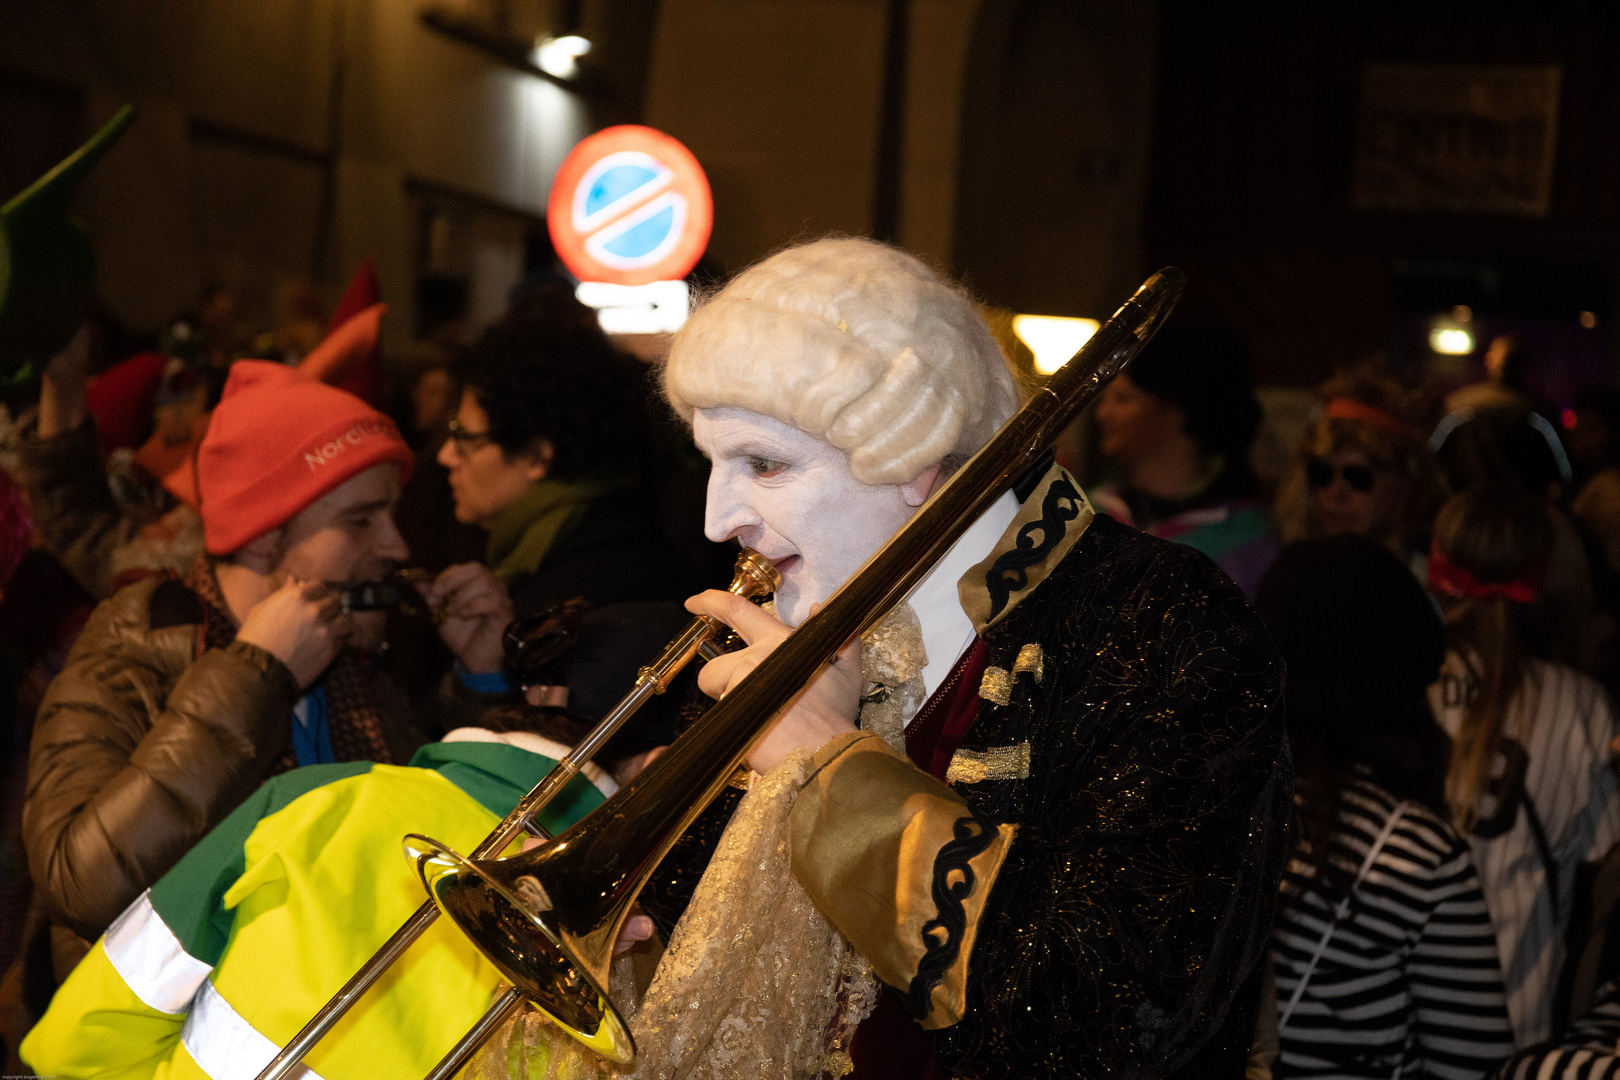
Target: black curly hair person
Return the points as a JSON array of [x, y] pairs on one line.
[[542, 378]]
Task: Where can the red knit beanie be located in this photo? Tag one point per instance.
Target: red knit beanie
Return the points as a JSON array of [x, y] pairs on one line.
[[277, 442]]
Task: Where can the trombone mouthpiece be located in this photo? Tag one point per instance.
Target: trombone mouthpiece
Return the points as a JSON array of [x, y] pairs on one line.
[[754, 575]]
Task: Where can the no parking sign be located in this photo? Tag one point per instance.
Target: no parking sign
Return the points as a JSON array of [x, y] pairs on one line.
[[630, 206]]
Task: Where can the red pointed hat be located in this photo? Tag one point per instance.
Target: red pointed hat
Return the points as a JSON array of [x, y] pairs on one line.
[[277, 442], [347, 357], [121, 400], [362, 291]]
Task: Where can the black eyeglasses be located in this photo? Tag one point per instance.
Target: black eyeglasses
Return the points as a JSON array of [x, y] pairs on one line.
[[467, 442], [1320, 474]]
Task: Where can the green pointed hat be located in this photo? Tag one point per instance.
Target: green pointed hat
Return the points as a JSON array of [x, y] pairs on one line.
[[47, 269]]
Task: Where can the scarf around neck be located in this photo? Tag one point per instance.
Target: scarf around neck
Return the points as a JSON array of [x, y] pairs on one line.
[[354, 720], [532, 524]]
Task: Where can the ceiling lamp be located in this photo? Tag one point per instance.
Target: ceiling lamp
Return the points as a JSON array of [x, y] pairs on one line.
[[1054, 339], [1451, 341]]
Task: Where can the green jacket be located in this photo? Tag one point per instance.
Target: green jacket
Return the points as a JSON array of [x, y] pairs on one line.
[[231, 952]]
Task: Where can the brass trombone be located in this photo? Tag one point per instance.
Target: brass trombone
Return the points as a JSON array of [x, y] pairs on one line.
[[753, 577], [577, 890]]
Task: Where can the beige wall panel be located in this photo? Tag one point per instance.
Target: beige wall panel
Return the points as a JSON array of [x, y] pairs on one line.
[[374, 220], [137, 207], [255, 218], [446, 114], [941, 35], [49, 41], [265, 67], [779, 101], [1057, 114]]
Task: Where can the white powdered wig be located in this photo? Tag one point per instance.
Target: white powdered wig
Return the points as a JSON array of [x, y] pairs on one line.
[[854, 342]]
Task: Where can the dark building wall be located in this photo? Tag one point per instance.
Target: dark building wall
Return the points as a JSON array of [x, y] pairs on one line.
[[296, 138], [1056, 108], [1253, 164]]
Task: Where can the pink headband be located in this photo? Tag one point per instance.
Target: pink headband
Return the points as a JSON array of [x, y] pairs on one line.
[[1343, 408]]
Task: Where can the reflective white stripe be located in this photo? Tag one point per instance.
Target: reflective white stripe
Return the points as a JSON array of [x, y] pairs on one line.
[[536, 744], [224, 1045], [147, 955]]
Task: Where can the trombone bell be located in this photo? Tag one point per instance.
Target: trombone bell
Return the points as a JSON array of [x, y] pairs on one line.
[[503, 910]]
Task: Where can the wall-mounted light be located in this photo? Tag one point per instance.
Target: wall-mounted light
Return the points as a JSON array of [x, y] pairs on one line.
[[559, 56], [1053, 338]]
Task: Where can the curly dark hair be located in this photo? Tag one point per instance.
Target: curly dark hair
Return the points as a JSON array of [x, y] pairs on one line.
[[540, 377]]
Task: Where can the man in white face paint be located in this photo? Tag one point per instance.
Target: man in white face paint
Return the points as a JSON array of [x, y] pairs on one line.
[[1045, 799]]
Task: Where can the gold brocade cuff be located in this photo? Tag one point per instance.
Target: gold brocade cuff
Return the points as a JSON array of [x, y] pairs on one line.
[[898, 862]]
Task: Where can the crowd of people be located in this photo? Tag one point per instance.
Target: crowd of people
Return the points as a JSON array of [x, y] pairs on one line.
[[1313, 776], [1443, 600]]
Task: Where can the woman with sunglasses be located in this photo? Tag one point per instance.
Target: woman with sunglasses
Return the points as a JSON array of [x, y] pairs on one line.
[[1364, 467]]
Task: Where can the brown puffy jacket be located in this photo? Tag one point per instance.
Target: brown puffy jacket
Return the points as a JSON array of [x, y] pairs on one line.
[[142, 744]]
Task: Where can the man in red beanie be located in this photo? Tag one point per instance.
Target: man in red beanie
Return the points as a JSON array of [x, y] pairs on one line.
[[185, 693]]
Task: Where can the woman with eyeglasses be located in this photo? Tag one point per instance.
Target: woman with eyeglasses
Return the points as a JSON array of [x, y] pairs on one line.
[[546, 453], [1364, 467], [1177, 425]]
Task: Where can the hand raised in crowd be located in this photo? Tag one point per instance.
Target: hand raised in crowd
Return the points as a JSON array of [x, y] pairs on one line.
[[302, 625], [62, 403], [476, 610], [825, 710]]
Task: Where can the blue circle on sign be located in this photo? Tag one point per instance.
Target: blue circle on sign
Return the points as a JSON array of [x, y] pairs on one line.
[[615, 184], [645, 238]]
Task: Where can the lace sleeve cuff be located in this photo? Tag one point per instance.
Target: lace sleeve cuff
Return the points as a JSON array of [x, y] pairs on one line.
[[900, 865]]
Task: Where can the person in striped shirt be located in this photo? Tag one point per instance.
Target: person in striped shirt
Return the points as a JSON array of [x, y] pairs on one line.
[[1384, 955], [1530, 783], [1589, 1050]]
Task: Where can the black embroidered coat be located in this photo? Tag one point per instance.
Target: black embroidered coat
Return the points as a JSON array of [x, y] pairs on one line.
[[1137, 897], [1115, 923]]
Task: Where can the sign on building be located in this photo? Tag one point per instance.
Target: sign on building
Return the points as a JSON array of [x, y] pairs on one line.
[[1457, 138]]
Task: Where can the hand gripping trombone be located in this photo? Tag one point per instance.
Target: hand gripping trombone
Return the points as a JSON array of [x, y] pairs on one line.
[[754, 577]]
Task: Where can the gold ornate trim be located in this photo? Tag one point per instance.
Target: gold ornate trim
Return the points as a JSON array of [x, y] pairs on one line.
[[996, 685], [1032, 660], [1050, 522], [996, 763]]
